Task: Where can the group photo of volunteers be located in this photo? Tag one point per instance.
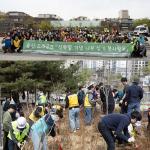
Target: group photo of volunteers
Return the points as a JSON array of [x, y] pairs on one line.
[[13, 40]]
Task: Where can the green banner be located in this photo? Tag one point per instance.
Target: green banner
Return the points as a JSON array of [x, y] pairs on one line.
[[78, 48]]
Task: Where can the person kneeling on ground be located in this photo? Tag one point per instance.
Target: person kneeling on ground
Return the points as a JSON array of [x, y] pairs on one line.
[[18, 134], [6, 42], [43, 127], [16, 45], [119, 124]]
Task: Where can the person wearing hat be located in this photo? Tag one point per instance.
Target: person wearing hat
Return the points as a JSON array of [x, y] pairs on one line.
[[89, 102], [43, 127], [134, 94], [7, 119], [42, 99], [18, 133]]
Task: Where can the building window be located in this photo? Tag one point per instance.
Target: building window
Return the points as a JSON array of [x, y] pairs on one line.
[[16, 20]]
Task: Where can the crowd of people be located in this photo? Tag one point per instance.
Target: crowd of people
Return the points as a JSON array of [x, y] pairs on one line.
[[114, 127], [13, 41], [19, 128]]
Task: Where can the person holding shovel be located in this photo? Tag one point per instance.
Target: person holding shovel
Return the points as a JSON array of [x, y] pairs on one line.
[[18, 134]]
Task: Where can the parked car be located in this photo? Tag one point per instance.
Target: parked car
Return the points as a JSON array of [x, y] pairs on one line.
[[141, 29]]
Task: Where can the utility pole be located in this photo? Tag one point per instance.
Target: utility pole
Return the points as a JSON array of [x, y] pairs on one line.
[[106, 89], [1, 112], [126, 68]]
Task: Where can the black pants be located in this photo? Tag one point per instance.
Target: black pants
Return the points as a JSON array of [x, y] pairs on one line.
[[31, 122], [104, 107], [6, 49], [15, 49], [110, 108], [12, 145], [124, 108], [107, 135], [5, 141], [148, 127]]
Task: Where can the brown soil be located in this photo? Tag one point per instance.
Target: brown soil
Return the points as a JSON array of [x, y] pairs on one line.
[[88, 137]]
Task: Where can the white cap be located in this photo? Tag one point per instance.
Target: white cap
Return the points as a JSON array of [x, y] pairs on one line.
[[41, 93], [21, 122]]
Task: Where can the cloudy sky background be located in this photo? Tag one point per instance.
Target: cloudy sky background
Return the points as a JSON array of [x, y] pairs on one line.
[[68, 9]]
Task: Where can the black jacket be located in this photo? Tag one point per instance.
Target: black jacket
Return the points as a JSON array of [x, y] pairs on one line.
[[118, 123], [134, 93]]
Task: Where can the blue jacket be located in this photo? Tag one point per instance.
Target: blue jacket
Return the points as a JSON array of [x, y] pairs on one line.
[[141, 39], [7, 42], [118, 123], [134, 93], [81, 96], [41, 126]]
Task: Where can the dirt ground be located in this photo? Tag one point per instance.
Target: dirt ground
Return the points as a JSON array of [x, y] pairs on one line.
[[88, 137]]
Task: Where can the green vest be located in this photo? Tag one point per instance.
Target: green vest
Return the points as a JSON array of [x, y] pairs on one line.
[[19, 137], [43, 99], [134, 43]]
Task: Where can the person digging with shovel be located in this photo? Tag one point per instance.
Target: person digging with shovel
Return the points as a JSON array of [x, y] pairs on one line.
[[18, 134]]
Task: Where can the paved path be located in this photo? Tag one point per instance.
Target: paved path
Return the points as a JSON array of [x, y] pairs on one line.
[[42, 57]]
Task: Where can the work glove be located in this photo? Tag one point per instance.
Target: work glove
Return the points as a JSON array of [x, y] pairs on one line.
[[131, 139], [126, 103], [19, 145], [24, 142], [121, 101]]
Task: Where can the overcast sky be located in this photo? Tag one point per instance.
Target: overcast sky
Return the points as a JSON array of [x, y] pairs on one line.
[[68, 9]]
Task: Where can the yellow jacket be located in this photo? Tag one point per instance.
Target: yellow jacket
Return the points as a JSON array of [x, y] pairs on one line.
[[73, 100], [16, 43], [34, 118], [86, 101]]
